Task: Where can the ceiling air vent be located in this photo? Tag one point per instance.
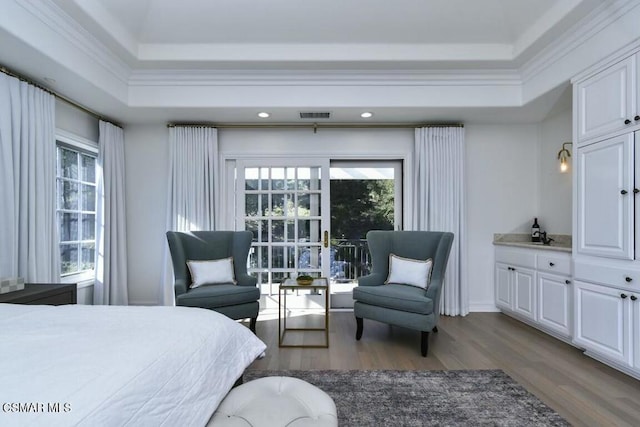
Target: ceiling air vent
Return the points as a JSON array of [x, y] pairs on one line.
[[315, 115]]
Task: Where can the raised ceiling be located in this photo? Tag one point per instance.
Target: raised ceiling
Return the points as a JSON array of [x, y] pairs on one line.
[[225, 60], [326, 34]]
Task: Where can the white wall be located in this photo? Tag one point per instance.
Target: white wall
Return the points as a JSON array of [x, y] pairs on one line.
[[502, 187], [146, 161], [502, 174], [555, 188], [78, 122]]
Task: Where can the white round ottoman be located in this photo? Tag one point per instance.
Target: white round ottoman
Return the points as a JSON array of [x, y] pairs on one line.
[[275, 402]]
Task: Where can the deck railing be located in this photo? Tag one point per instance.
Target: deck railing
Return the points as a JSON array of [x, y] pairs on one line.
[[350, 260]]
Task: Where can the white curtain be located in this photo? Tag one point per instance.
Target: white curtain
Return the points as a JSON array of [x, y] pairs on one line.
[[193, 188], [110, 286], [438, 198], [28, 227]]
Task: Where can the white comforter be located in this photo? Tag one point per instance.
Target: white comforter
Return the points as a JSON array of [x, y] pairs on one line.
[[117, 366]]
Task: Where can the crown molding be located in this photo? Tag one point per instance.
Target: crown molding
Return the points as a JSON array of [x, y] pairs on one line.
[[600, 18], [56, 19], [326, 52], [543, 25], [325, 78], [609, 60]]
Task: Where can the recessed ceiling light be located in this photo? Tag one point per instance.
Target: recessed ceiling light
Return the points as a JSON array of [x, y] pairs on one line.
[[366, 115], [263, 114]]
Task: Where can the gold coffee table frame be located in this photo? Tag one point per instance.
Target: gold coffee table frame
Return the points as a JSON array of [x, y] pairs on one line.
[[290, 284]]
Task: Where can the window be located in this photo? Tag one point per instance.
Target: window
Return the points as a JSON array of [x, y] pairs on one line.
[[76, 209]]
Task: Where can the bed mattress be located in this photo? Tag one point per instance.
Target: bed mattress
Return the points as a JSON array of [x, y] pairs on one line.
[[118, 366]]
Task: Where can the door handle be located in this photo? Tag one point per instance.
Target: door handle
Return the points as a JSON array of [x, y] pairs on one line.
[[326, 239]]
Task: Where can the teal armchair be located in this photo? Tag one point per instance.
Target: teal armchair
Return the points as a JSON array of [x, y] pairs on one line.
[[237, 301], [397, 304]]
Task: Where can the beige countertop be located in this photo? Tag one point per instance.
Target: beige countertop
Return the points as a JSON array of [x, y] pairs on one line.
[[562, 242]]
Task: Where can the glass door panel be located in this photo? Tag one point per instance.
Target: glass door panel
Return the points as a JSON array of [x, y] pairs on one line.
[[365, 195], [285, 207]]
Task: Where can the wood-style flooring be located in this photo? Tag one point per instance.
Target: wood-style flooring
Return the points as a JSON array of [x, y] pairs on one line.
[[583, 390]]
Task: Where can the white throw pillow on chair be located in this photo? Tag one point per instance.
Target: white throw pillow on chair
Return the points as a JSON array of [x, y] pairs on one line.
[[407, 271], [213, 272]]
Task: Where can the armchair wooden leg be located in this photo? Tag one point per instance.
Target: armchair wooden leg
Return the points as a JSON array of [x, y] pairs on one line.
[[359, 328], [424, 345], [435, 329], [252, 324]]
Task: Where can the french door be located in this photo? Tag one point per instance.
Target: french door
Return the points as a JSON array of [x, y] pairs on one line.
[[285, 204]]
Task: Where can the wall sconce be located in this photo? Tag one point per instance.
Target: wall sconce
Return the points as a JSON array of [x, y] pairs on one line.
[[563, 156]]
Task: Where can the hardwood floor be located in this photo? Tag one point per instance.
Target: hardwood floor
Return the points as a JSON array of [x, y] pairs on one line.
[[582, 390]]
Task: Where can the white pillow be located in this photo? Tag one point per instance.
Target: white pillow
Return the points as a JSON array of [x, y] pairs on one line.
[[406, 271], [212, 272]]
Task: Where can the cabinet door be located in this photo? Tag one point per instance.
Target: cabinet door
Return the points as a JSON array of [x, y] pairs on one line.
[[606, 100], [602, 321], [605, 198], [554, 302], [636, 194], [524, 299], [635, 329], [503, 286]]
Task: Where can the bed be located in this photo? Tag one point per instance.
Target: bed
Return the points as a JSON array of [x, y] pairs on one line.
[[118, 366]]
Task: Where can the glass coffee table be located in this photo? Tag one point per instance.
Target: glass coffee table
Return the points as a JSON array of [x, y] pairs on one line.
[[320, 284]]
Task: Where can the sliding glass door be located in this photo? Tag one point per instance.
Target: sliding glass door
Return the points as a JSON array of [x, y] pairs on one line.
[[292, 205]]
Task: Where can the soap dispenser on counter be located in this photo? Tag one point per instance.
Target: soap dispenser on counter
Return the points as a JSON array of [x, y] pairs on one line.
[[535, 231]]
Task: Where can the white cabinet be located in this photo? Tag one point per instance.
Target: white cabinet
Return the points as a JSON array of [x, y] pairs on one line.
[[534, 285], [524, 298], [555, 302], [503, 278], [634, 300], [515, 289], [608, 101], [605, 197], [603, 321], [606, 313]]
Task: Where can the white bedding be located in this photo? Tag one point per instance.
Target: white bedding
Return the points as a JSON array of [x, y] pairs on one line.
[[117, 366]]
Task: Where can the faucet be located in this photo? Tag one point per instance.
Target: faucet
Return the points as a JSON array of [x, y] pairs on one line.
[[545, 240]]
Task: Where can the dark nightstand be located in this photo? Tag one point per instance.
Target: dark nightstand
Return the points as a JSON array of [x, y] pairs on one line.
[[43, 293]]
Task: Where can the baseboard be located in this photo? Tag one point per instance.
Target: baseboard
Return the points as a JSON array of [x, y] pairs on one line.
[[615, 365], [486, 307]]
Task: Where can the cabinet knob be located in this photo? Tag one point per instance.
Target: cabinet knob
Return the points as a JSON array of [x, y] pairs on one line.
[[633, 298], [628, 279], [568, 282], [626, 122], [636, 118], [623, 296], [623, 192], [636, 191], [551, 264]]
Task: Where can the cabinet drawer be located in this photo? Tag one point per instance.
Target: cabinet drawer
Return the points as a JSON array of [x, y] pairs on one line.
[[523, 258], [607, 275], [554, 263]]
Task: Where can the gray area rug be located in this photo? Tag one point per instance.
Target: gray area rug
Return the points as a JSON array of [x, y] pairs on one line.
[[425, 398]]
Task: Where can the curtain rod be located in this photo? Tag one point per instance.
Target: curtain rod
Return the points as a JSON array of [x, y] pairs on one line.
[[59, 96], [317, 125]]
